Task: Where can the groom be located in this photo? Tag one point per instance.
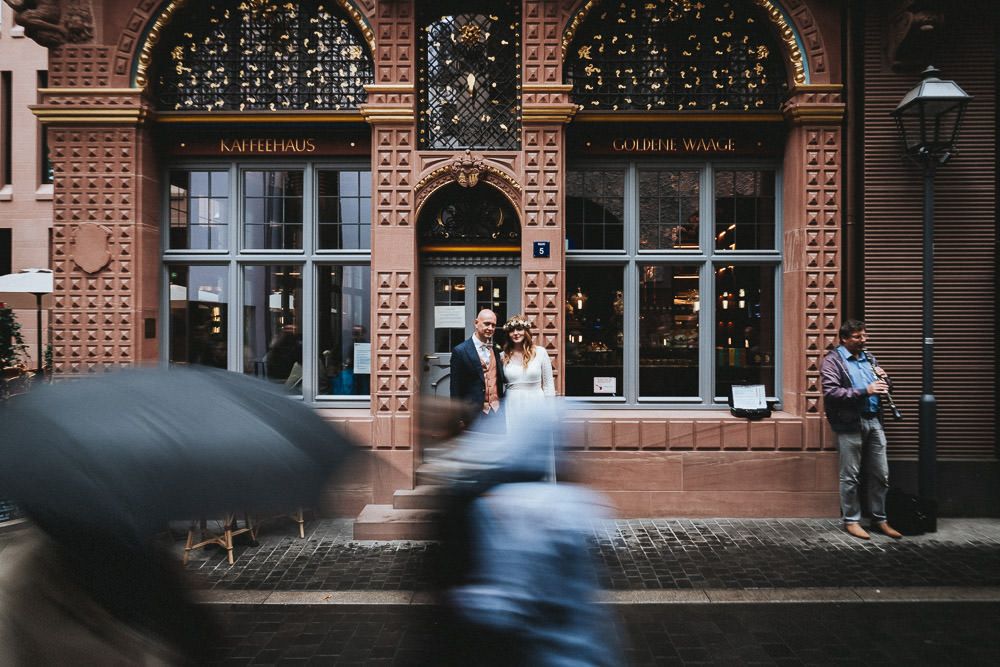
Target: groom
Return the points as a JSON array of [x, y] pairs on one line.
[[477, 376]]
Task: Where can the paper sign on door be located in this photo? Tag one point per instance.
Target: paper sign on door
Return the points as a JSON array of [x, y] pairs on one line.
[[449, 317]]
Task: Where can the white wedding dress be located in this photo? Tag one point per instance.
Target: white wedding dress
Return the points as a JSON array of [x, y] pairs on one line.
[[526, 389]]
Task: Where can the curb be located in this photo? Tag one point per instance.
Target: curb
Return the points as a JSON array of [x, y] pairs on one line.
[[651, 597], [13, 525]]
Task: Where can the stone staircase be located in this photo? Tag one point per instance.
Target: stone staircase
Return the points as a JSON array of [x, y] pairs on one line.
[[411, 516]]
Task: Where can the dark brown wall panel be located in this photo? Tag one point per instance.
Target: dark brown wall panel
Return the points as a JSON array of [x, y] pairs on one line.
[[965, 242]]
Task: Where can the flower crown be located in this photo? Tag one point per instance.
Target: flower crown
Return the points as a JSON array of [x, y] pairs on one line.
[[517, 323]]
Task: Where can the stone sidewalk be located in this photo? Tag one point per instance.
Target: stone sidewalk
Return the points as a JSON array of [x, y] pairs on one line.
[[644, 561]]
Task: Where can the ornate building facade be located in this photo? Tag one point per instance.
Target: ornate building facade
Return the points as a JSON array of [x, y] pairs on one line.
[[324, 194]]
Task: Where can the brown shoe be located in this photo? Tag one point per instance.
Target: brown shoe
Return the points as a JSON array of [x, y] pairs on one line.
[[887, 530], [855, 530]]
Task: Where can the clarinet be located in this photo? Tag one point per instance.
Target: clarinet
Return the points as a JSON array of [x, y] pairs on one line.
[[896, 414]]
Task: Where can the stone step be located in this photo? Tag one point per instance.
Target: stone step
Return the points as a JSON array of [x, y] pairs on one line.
[[423, 497], [384, 522], [424, 475]]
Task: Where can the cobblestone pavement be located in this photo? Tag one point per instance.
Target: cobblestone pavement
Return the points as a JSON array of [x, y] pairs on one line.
[[655, 554], [794, 634]]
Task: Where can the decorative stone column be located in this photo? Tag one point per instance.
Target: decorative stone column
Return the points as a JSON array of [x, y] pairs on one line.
[[105, 244], [546, 109], [812, 244], [390, 111]]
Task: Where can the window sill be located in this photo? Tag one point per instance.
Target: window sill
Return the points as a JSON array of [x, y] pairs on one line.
[[44, 192], [7, 192]]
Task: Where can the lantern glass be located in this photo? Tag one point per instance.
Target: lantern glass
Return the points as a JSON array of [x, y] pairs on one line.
[[929, 116]]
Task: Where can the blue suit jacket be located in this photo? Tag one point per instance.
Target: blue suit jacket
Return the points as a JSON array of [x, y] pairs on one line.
[[468, 384]]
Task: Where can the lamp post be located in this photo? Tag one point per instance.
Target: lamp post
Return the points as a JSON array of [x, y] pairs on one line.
[[928, 120]]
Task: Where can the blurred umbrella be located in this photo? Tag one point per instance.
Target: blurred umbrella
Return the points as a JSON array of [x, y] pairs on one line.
[[122, 454]]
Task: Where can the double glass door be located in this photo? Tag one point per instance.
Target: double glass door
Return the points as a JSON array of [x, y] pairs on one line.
[[452, 297]]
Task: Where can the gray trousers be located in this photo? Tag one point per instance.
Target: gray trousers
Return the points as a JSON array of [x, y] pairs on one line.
[[856, 447]]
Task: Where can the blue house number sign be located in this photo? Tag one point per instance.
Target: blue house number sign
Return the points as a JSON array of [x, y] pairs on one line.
[[541, 248]]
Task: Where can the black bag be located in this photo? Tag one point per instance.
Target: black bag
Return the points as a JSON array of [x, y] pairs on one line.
[[904, 512]]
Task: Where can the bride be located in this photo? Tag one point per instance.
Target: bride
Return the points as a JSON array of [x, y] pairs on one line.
[[528, 371]]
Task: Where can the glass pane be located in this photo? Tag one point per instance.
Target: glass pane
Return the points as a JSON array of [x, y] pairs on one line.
[[449, 305], [272, 324], [344, 216], [594, 334], [744, 209], [745, 327], [491, 292], [199, 315], [669, 305], [344, 296], [199, 210], [668, 209], [595, 210], [273, 210]]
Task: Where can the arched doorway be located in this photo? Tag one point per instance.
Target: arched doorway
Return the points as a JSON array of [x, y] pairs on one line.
[[470, 244]]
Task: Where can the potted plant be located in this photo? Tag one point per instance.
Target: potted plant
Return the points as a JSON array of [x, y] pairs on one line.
[[12, 346]]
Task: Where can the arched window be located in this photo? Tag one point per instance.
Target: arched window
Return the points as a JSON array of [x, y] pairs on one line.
[[676, 55], [261, 55], [455, 216], [469, 79]]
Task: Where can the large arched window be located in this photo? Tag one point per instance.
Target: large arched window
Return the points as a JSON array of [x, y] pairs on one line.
[[676, 55], [469, 79], [261, 55]]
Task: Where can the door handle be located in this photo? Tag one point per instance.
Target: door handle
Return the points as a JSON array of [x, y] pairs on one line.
[[428, 357]]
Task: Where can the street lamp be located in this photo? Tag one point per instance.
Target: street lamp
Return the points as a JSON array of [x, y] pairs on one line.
[[928, 119]]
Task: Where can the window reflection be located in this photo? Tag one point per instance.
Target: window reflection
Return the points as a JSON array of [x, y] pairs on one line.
[[744, 328], [744, 209], [669, 305], [594, 326], [595, 210], [344, 215], [199, 315], [199, 210], [272, 324], [272, 210], [449, 300], [668, 209], [344, 339], [491, 293]]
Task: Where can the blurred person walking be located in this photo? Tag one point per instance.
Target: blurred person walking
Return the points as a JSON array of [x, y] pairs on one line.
[[519, 583]]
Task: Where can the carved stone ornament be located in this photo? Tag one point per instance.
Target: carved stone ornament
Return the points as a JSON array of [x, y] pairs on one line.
[[90, 249], [53, 23], [466, 170], [914, 27]]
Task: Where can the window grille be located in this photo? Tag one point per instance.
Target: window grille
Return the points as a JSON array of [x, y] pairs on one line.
[[457, 216], [261, 55], [676, 55], [469, 80]]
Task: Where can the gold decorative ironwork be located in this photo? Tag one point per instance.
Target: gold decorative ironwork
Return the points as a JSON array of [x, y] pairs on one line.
[[575, 23], [785, 32], [469, 74], [787, 35], [145, 57], [676, 55]]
